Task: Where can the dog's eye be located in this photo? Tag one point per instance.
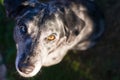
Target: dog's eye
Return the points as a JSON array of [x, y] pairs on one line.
[[23, 29], [51, 37]]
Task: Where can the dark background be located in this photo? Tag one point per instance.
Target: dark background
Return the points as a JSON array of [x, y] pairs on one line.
[[101, 62]]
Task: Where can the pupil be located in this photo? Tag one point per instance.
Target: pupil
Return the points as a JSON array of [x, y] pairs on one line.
[[23, 29]]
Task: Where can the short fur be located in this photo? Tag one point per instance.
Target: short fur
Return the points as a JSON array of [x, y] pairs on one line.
[[76, 24]]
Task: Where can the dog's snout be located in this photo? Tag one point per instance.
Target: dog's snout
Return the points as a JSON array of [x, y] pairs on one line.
[[26, 68]]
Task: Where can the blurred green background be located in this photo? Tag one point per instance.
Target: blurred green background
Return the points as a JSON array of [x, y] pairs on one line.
[[101, 62]]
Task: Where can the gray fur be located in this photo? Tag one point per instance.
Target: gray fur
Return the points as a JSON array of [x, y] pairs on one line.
[[76, 24]]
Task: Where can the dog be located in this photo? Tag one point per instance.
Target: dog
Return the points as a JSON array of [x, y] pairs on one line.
[[46, 31]]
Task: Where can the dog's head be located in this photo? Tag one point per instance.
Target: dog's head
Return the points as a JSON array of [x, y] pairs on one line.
[[40, 34], [44, 32]]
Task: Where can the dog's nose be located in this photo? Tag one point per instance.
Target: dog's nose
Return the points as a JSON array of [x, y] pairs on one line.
[[26, 68]]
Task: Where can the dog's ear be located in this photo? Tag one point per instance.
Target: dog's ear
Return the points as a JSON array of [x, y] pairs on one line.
[[14, 7], [73, 22]]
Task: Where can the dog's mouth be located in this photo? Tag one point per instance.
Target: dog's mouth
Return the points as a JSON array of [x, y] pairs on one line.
[[27, 69]]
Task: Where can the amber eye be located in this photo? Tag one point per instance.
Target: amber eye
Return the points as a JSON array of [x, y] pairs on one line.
[[51, 37]]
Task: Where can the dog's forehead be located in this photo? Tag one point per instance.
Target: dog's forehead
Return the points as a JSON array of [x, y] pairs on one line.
[[31, 13], [37, 15], [40, 17], [27, 16]]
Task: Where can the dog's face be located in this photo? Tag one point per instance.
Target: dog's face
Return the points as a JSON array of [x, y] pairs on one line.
[[38, 36]]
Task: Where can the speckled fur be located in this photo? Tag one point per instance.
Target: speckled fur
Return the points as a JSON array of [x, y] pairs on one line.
[[76, 24]]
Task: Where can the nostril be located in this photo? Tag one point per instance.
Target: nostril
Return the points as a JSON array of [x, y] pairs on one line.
[[26, 68]]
